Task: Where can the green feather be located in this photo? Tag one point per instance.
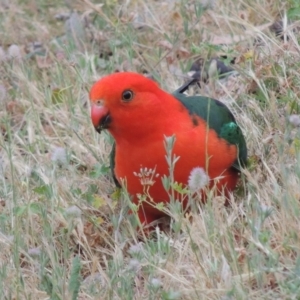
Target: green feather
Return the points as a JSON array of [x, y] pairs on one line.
[[218, 118]]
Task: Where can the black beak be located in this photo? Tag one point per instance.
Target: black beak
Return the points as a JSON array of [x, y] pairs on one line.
[[104, 123]]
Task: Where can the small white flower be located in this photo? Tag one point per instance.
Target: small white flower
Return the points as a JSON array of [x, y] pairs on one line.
[[134, 264], [95, 278], [34, 252], [264, 208], [59, 155], [146, 176], [73, 211], [14, 52], [294, 120], [155, 283], [198, 179], [135, 249]]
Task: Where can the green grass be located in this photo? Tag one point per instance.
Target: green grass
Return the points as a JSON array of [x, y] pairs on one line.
[[64, 230]]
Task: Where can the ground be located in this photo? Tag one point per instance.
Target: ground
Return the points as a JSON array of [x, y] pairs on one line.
[[64, 229]]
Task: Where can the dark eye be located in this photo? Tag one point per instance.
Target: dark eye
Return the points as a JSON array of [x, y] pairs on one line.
[[127, 95]]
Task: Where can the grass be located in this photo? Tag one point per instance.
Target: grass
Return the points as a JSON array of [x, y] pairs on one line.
[[64, 230]]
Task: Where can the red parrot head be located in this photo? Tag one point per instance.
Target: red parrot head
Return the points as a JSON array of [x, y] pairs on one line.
[[124, 102]]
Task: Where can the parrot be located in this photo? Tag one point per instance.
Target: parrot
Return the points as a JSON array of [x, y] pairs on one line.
[[139, 115]]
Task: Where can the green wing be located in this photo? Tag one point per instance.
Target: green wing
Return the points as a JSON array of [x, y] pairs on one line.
[[219, 118], [112, 164]]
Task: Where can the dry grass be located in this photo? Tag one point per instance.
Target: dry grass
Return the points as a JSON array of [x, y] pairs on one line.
[[64, 232]]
